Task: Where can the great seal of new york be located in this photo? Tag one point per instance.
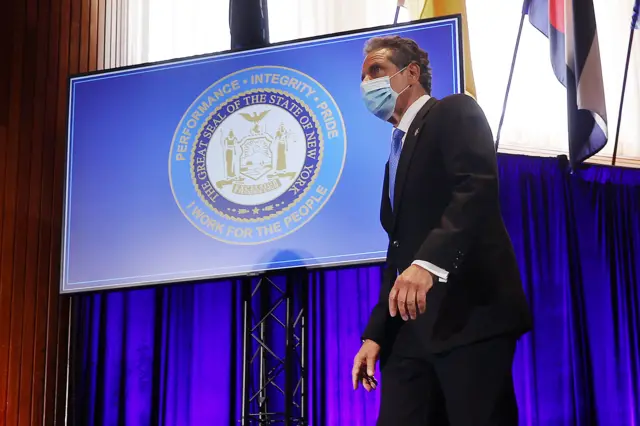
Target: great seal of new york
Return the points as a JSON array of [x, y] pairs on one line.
[[257, 155]]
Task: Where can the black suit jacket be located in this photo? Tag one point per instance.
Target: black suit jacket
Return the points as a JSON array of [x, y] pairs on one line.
[[447, 212]]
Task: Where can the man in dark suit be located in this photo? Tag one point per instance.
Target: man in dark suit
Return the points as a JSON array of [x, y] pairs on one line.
[[451, 304]]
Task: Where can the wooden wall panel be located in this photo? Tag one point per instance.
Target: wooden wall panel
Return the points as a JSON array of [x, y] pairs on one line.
[[42, 42], [108, 33], [102, 10]]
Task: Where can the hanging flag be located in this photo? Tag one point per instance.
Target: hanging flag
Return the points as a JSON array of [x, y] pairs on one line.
[[570, 26], [248, 24], [437, 8]]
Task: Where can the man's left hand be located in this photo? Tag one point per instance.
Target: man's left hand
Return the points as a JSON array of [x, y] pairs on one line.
[[409, 293]]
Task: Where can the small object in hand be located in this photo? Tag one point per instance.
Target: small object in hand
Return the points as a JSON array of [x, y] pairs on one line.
[[371, 380]]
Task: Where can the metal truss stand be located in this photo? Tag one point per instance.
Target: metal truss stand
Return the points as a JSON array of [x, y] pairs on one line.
[[275, 354]]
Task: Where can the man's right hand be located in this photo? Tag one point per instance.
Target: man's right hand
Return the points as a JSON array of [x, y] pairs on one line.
[[364, 365]]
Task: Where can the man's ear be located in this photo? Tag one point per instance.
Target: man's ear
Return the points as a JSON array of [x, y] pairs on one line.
[[414, 70]]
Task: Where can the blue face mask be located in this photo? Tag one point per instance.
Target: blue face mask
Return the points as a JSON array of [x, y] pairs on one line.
[[379, 98]]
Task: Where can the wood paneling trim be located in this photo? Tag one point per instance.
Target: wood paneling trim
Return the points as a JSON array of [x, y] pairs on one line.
[[9, 341], [42, 42], [108, 63], [45, 394], [102, 7]]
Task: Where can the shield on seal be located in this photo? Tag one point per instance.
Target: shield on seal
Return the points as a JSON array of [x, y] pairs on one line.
[[256, 159]]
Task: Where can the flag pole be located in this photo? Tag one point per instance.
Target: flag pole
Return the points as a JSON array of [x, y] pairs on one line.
[[395, 19], [399, 4], [513, 66], [634, 26]]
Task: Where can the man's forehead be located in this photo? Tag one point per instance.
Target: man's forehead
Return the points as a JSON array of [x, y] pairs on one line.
[[379, 55]]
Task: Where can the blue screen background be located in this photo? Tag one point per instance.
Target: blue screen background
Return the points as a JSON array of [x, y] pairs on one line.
[[122, 224]]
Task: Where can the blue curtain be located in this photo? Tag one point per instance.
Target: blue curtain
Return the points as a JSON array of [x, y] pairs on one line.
[[172, 355]]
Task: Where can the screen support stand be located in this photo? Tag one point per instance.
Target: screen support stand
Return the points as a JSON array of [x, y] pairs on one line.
[[275, 384]]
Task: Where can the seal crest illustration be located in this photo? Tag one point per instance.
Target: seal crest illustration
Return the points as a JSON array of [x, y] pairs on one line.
[[257, 155]]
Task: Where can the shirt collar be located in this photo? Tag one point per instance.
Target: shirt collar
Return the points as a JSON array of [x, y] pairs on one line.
[[411, 113]]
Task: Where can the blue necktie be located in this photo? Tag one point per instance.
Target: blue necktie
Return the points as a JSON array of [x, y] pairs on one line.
[[394, 158]]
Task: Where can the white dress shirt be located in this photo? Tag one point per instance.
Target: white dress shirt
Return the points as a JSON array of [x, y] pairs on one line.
[[405, 123]]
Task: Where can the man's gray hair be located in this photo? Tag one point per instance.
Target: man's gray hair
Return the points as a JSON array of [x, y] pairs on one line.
[[404, 51]]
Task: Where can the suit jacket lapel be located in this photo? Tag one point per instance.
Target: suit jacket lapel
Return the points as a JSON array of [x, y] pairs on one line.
[[407, 152]]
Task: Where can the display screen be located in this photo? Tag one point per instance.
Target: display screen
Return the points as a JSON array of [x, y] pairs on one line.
[[232, 163]]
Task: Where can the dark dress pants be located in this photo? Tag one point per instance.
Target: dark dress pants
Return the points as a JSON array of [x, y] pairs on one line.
[[468, 386]]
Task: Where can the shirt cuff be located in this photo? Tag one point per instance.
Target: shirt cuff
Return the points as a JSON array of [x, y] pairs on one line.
[[438, 272]]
